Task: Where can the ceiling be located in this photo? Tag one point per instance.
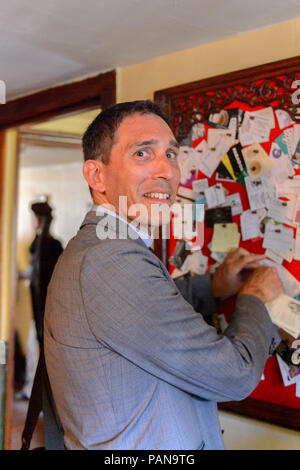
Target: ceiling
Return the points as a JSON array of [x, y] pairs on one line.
[[46, 43]]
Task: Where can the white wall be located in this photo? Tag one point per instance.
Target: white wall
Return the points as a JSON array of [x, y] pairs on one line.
[[70, 199], [241, 433], [66, 187]]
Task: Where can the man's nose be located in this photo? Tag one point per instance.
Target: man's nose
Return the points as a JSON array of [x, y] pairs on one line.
[[163, 167]]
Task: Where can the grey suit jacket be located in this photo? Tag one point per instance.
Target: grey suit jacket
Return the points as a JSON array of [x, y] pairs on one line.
[[131, 363]]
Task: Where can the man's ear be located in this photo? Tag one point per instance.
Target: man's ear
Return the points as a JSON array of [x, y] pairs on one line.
[[93, 173]]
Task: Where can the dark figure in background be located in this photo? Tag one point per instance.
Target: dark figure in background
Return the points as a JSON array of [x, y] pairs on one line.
[[45, 251]]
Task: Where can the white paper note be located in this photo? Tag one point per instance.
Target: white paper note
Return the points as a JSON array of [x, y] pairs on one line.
[[256, 126], [278, 210], [250, 225], [293, 199], [283, 118], [234, 200], [214, 195], [184, 163], [213, 156], [278, 238], [289, 139], [213, 136], [200, 185], [256, 193], [274, 256], [282, 168]]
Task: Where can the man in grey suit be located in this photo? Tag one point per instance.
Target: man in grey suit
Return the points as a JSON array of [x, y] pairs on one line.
[[132, 363]]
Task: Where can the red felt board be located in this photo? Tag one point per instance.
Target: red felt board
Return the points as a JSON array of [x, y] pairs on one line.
[[271, 389]]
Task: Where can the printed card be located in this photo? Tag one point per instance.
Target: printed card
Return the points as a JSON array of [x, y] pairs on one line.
[[213, 136], [200, 185], [283, 118], [256, 193], [278, 210], [282, 168], [278, 238], [213, 156], [215, 195], [234, 200], [273, 256], [250, 225], [256, 126]]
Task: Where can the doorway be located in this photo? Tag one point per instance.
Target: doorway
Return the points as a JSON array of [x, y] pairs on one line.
[[50, 170], [46, 110]]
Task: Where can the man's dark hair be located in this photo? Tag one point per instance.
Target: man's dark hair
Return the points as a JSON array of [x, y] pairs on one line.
[[98, 139]]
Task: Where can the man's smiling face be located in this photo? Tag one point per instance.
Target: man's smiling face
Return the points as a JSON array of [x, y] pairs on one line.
[[143, 163]]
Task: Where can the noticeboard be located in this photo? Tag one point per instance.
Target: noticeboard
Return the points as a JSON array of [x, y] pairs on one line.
[[194, 109]]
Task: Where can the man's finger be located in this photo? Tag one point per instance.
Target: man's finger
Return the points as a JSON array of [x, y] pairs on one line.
[[236, 252], [253, 265], [246, 261]]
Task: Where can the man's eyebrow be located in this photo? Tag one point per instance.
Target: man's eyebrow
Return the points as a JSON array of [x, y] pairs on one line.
[[172, 143], [146, 142]]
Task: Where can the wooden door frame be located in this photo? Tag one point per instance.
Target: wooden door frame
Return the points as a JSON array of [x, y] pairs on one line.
[[97, 91], [94, 92]]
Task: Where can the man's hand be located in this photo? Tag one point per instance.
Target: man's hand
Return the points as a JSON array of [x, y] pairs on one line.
[[264, 283], [227, 280]]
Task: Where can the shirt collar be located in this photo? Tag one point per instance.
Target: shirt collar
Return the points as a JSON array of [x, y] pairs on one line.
[[143, 235]]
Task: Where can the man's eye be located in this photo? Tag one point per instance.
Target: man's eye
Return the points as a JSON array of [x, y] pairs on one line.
[[171, 155], [141, 153]]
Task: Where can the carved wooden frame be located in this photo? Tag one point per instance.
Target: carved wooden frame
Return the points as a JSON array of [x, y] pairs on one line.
[[264, 85], [257, 86]]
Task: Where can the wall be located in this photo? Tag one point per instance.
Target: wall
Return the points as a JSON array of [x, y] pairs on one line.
[[245, 50], [242, 433], [70, 199]]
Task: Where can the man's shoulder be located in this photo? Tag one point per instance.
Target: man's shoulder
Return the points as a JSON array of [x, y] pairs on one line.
[[86, 246], [116, 249], [95, 248]]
